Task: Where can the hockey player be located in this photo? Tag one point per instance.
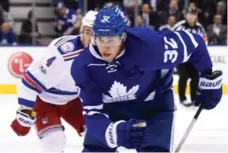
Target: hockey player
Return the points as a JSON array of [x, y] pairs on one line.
[[47, 91], [126, 83]]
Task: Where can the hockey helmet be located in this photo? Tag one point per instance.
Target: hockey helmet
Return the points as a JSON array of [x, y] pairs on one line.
[[110, 21]]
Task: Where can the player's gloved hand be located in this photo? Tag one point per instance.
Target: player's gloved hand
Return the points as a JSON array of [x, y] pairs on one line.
[[24, 120], [209, 91], [130, 134]]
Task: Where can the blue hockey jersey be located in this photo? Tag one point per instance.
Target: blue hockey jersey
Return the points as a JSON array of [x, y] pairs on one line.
[[138, 81]]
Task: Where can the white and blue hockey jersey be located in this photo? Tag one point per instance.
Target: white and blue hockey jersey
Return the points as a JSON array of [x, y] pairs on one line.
[[49, 76], [136, 82]]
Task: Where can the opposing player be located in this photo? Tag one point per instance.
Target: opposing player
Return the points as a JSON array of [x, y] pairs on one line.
[[47, 91], [126, 83]]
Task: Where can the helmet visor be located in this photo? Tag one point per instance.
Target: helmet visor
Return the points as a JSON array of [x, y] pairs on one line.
[[108, 40]]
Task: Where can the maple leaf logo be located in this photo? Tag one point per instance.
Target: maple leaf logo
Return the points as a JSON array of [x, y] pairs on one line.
[[118, 92]]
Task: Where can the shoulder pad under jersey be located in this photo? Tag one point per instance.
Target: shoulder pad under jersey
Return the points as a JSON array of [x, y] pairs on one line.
[[69, 46]]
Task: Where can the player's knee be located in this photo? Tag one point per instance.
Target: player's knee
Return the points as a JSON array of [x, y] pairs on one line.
[[53, 142]]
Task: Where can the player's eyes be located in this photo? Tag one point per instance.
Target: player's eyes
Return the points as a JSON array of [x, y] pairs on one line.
[[89, 33], [110, 40], [100, 40]]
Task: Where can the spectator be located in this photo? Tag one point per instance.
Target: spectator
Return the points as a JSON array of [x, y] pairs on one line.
[[27, 33], [172, 10], [71, 4], [5, 5], [208, 8], [65, 19], [221, 10], [156, 5], [171, 23], [98, 4], [74, 30], [163, 5], [129, 6], [217, 32], [149, 16], [7, 17], [141, 22], [1, 16], [7, 36]]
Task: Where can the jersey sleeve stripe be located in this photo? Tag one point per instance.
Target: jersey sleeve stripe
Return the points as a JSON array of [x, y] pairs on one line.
[[60, 43], [27, 93], [192, 39], [72, 56], [35, 81], [63, 40], [29, 84], [185, 58], [72, 53], [62, 92], [26, 102], [68, 59], [56, 44]]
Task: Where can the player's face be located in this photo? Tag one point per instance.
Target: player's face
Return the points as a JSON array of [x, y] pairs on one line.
[[87, 33], [109, 46]]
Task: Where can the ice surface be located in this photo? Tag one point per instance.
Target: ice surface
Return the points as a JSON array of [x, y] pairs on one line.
[[210, 133]]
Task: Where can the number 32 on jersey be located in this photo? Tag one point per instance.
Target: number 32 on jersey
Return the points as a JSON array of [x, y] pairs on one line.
[[170, 53]]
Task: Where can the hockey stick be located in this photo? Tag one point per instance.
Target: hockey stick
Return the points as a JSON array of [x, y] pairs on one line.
[[189, 128]]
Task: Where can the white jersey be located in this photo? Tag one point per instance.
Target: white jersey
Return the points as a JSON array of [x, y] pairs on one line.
[[49, 77]]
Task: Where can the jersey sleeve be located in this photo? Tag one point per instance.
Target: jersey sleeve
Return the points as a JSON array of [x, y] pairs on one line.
[[44, 73], [173, 48], [91, 96]]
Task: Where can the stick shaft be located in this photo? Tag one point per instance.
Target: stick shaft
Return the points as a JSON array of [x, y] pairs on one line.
[[185, 136]]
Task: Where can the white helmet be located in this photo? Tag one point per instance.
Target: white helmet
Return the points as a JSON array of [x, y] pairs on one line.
[[89, 18]]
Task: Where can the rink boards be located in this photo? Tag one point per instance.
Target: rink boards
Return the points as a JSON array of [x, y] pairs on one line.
[[15, 60]]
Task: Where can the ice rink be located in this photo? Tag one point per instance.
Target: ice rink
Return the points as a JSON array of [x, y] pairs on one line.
[[210, 133]]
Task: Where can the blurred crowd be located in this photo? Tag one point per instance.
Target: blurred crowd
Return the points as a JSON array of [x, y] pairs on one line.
[[156, 14], [8, 36]]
